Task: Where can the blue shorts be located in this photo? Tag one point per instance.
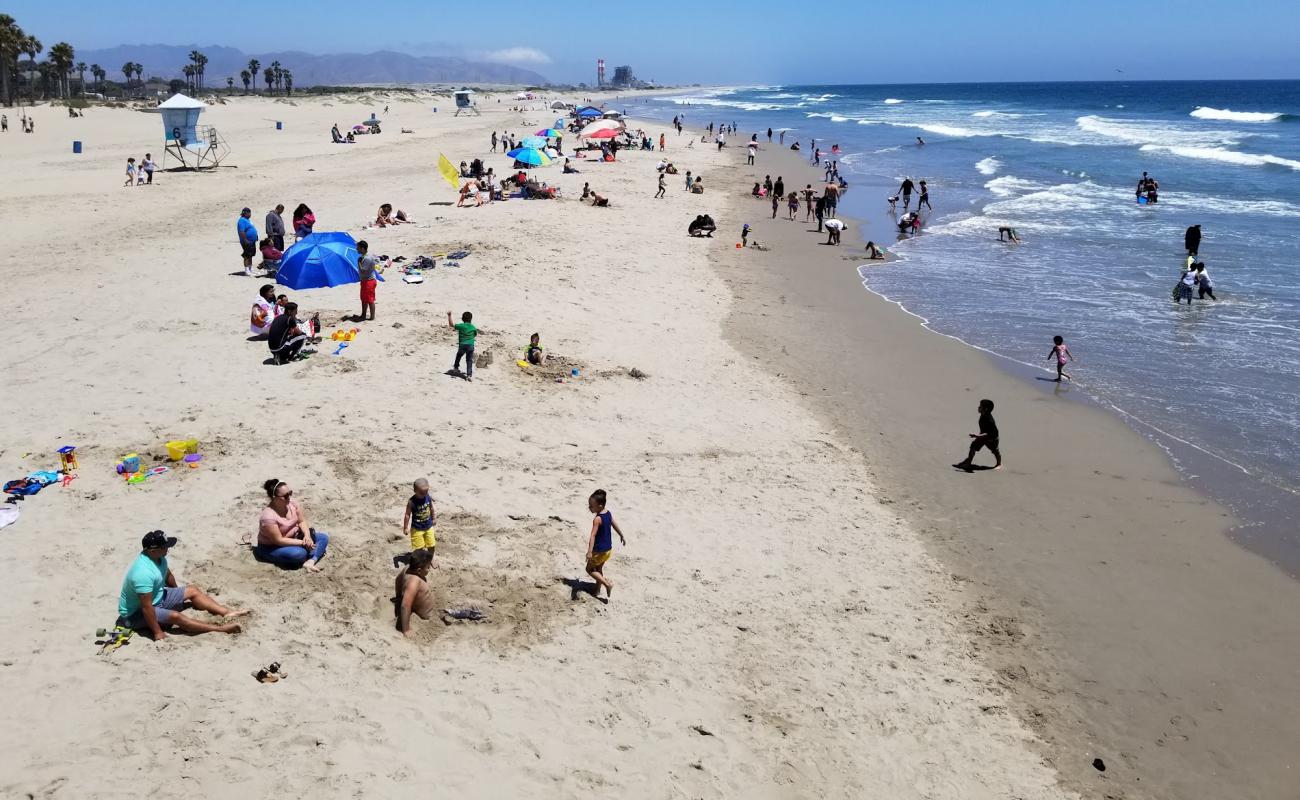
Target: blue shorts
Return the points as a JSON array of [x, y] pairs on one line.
[[172, 601]]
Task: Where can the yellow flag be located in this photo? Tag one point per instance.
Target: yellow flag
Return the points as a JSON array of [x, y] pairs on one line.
[[448, 171]]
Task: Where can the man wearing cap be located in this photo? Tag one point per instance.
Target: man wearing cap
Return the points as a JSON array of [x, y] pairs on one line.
[[247, 239], [151, 600]]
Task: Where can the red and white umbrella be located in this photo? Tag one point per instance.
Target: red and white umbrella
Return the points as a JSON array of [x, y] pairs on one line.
[[602, 133]]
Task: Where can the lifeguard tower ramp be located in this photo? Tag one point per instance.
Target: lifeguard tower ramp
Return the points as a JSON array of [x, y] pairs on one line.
[[194, 146]]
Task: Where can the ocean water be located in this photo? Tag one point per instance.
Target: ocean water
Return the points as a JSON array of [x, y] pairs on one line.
[[1216, 383]]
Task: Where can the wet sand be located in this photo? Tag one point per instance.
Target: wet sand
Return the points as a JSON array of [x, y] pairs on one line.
[[1122, 622]]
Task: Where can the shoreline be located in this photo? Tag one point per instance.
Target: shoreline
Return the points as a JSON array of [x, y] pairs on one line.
[[1060, 633]]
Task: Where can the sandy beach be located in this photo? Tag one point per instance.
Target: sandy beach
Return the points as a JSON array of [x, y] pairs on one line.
[[780, 629], [1107, 596]]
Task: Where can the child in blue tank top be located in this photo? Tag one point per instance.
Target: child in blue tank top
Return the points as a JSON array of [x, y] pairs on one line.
[[601, 542]]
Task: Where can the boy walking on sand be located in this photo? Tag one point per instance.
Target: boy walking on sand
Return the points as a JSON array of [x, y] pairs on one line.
[[663, 186], [987, 437], [466, 334], [419, 521], [601, 542], [1061, 353], [366, 268]]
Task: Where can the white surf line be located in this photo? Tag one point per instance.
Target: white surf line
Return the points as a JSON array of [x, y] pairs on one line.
[[925, 323]]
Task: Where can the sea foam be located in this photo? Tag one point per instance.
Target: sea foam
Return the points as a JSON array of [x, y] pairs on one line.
[[1205, 112], [988, 166]]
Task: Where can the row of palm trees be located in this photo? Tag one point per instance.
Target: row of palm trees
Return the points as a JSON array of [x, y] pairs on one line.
[[60, 64], [276, 77]]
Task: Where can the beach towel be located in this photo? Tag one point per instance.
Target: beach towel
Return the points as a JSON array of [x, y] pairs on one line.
[[23, 487], [9, 515]]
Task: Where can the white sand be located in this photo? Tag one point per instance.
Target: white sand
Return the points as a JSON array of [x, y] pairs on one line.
[[764, 595]]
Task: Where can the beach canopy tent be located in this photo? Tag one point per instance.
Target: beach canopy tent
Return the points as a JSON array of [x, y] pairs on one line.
[[559, 105], [588, 112], [320, 260], [603, 125]]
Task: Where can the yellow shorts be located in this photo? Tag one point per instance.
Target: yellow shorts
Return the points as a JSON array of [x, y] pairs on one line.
[[421, 540], [598, 560]]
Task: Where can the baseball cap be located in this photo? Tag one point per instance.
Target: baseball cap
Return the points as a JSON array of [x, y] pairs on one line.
[[154, 539]]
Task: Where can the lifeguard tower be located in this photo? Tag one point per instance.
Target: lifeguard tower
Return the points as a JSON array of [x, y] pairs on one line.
[[195, 146], [465, 102]]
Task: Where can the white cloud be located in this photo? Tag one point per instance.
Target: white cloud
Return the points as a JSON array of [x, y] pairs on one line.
[[517, 55]]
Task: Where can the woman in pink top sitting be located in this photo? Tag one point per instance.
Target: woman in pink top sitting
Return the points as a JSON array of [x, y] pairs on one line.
[[283, 536]]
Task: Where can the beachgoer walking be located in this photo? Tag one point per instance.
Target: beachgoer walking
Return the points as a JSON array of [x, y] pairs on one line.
[[600, 544], [419, 521], [152, 599], [776, 200], [466, 334], [1203, 283], [688, 180], [1062, 354], [779, 186], [820, 211], [769, 135], [284, 538], [832, 195], [247, 233], [662, 142], [4, 123], [767, 183], [275, 226], [1192, 240], [663, 186], [750, 150], [782, 140], [924, 198], [808, 195], [494, 142], [130, 172], [367, 269], [905, 189], [793, 205], [411, 591], [148, 166], [817, 155], [987, 437]]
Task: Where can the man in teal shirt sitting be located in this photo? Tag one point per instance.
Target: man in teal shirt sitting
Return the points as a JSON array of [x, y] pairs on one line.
[[151, 599]]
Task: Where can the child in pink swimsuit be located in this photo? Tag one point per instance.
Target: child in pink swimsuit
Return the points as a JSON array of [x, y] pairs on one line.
[[1061, 353]]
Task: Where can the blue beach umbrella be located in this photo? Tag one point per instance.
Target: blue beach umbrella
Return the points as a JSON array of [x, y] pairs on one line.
[[321, 259], [533, 141], [530, 155]]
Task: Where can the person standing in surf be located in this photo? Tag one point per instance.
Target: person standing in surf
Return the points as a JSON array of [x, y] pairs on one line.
[[924, 198], [1192, 241], [1062, 354], [905, 189]]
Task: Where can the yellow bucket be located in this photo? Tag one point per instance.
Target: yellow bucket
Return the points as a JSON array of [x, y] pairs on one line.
[[179, 448]]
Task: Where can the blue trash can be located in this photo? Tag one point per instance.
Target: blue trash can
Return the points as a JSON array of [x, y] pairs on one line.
[[76, 147], [279, 125]]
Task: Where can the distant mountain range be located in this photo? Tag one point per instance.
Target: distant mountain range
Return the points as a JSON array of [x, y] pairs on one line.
[[342, 69]]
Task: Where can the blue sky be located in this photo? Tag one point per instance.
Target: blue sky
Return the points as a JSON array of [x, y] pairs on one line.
[[761, 41]]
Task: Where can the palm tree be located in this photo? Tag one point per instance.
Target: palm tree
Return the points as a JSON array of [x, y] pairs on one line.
[[194, 60], [81, 71], [230, 83], [99, 74], [288, 82], [268, 75], [189, 77], [62, 58], [253, 66], [12, 38], [246, 77], [138, 68], [203, 69]]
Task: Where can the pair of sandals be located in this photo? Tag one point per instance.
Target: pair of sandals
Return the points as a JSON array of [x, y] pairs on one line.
[[270, 674]]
